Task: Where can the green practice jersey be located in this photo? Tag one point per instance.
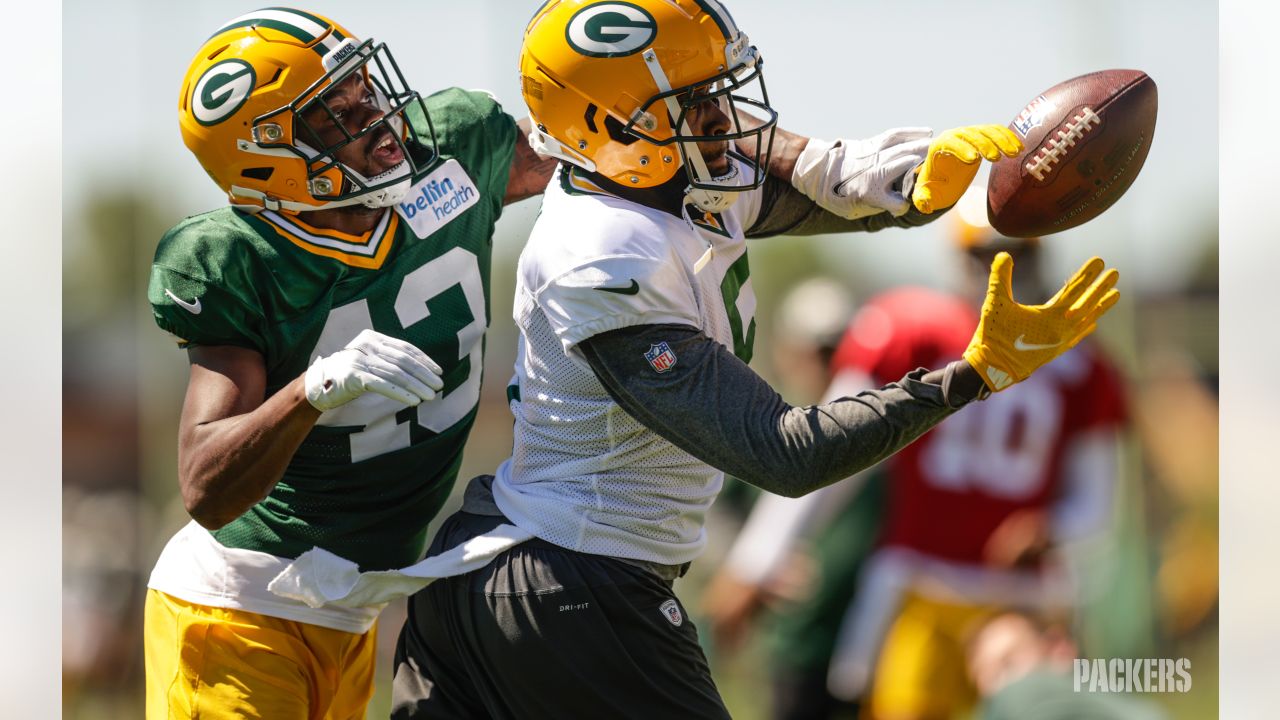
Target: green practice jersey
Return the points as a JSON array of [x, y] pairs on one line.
[[370, 476]]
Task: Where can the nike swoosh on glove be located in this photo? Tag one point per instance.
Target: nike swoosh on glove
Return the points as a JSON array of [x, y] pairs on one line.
[[373, 362], [952, 163], [1014, 340]]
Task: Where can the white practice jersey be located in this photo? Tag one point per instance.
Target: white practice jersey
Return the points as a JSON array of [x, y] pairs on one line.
[[583, 474]]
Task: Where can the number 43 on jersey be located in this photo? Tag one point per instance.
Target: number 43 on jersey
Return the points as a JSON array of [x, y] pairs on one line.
[[381, 432]]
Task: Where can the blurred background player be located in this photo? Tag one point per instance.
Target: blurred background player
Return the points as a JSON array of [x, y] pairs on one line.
[[972, 513], [1021, 668]]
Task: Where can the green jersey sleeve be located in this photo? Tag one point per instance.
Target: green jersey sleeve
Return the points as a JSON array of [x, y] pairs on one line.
[[202, 286], [471, 126]]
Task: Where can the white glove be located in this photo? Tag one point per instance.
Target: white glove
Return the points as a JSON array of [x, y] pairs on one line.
[[855, 178], [373, 362]]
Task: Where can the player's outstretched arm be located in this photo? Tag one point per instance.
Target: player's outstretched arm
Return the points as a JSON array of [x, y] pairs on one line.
[[899, 178], [850, 179], [711, 405], [234, 443]]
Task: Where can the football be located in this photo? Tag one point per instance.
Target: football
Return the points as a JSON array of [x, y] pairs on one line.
[[1084, 141]]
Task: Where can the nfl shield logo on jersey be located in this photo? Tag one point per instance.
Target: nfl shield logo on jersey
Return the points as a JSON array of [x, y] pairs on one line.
[[661, 357], [671, 610]]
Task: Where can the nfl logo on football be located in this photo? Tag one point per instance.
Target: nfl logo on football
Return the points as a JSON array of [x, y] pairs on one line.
[[661, 358], [1033, 115], [671, 610]]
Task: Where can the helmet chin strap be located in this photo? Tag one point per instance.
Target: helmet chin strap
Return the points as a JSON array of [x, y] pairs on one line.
[[715, 201], [706, 199], [385, 196]]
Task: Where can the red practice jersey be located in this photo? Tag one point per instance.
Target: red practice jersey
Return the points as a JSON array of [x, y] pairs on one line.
[[950, 489]]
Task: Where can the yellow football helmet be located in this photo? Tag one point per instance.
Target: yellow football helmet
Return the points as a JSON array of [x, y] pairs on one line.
[[253, 107], [609, 85]]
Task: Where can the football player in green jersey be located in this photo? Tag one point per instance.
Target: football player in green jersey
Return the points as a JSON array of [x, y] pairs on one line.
[[334, 318]]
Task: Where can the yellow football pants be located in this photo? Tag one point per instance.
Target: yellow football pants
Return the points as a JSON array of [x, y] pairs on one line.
[[921, 673], [208, 662]]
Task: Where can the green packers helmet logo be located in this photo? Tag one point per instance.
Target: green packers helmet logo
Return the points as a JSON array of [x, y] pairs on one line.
[[611, 29], [221, 91]]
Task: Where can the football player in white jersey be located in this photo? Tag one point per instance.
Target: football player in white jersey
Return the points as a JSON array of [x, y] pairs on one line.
[[632, 396]]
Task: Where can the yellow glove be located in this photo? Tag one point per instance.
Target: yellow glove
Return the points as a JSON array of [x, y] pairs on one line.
[[953, 161], [1013, 340]]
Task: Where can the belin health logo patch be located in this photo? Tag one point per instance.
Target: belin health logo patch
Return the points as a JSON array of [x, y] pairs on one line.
[[435, 200]]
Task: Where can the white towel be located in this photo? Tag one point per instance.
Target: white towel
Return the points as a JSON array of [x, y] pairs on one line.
[[319, 578]]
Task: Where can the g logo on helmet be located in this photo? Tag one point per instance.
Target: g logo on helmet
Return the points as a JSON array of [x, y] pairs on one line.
[[221, 91], [611, 29]]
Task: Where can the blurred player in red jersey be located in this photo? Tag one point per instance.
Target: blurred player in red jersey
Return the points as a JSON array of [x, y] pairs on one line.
[[975, 507]]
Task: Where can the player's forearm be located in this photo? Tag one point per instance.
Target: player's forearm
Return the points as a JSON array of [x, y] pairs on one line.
[[529, 172], [714, 407], [785, 210], [228, 465], [786, 147]]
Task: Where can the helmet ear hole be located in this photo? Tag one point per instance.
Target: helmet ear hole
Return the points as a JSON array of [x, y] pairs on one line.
[[258, 173], [616, 131]]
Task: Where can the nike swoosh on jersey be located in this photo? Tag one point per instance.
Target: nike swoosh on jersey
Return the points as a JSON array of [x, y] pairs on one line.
[[631, 289], [1019, 344], [191, 307]]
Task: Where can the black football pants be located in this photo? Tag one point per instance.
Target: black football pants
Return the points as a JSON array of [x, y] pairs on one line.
[[545, 632]]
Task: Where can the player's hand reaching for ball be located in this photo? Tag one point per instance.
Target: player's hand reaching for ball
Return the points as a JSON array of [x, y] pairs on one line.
[[1013, 340], [953, 160], [373, 362]]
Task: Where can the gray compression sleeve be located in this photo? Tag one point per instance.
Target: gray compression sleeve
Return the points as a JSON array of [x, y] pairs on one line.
[[712, 406], [785, 210]]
